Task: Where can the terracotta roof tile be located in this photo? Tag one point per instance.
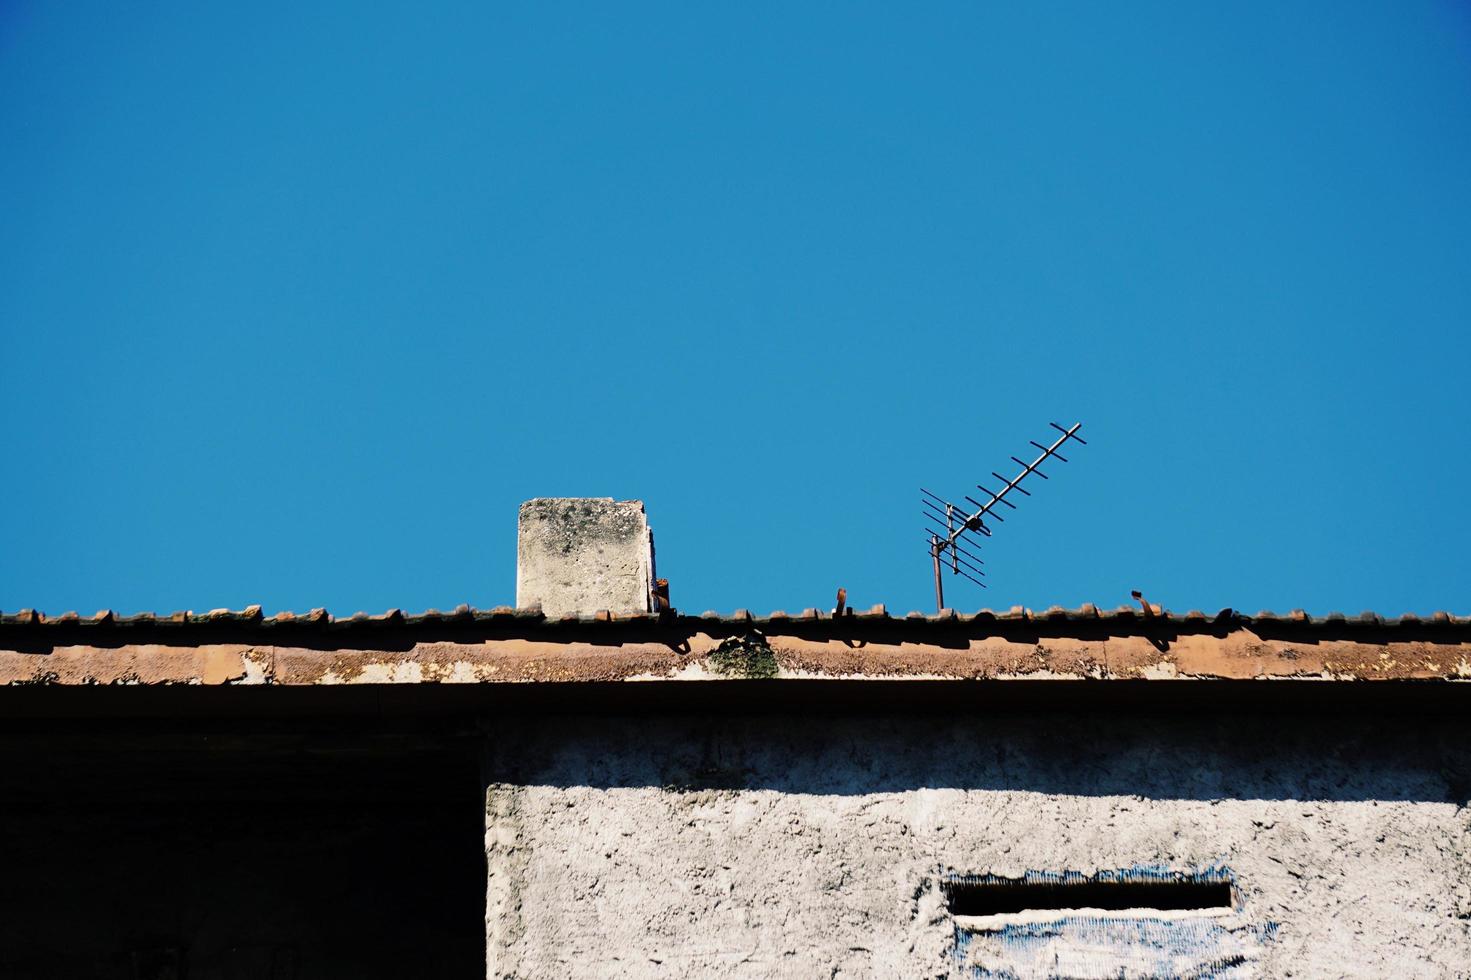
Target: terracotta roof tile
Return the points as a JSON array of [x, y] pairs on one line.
[[252, 616], [1295, 645]]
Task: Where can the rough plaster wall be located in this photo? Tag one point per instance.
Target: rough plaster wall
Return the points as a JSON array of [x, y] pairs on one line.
[[785, 847]]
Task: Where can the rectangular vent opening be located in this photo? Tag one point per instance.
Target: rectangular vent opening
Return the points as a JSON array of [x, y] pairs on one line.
[[979, 895]]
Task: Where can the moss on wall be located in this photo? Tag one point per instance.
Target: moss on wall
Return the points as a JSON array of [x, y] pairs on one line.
[[748, 656]]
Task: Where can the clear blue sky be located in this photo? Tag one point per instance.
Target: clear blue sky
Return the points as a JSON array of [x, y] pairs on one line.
[[300, 301]]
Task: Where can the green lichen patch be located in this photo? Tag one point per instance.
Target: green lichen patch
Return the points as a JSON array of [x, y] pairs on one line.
[[749, 657]]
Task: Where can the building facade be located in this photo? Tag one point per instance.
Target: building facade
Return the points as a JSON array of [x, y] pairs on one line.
[[640, 793]]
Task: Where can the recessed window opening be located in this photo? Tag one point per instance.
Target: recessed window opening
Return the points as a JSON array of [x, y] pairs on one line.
[[979, 895]]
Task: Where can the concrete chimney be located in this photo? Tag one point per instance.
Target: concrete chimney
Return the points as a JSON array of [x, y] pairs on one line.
[[583, 554]]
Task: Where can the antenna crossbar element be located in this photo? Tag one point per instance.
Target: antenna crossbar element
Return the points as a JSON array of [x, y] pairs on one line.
[[946, 538]]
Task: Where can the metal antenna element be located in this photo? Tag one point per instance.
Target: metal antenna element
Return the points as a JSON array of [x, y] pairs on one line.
[[948, 544]]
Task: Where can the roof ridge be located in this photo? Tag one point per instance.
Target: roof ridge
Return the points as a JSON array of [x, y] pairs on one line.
[[1087, 612]]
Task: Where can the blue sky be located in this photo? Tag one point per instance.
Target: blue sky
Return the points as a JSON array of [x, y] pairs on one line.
[[298, 301]]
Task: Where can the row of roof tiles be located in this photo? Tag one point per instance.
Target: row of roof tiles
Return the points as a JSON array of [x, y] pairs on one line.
[[252, 615]]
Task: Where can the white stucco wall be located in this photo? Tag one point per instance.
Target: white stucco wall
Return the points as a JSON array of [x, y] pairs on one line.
[[782, 846]]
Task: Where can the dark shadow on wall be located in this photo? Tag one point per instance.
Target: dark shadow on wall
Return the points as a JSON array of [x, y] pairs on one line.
[[1203, 740], [1209, 756], [239, 857]]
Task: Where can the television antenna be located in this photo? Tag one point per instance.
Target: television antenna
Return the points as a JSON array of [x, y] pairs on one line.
[[948, 543]]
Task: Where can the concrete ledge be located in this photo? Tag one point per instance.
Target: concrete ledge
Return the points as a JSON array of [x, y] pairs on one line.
[[896, 650]]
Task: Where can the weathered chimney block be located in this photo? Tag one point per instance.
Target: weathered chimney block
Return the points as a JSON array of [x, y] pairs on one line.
[[583, 554]]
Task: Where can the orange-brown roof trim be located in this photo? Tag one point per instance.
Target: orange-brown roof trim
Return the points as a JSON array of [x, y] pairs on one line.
[[512, 646]]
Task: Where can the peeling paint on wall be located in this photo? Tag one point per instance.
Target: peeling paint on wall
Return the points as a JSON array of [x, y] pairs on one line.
[[1044, 934], [1107, 947]]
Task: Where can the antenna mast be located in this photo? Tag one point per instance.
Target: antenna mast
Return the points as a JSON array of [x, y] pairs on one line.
[[947, 542]]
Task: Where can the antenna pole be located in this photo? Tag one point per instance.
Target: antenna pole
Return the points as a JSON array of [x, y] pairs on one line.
[[939, 580]]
